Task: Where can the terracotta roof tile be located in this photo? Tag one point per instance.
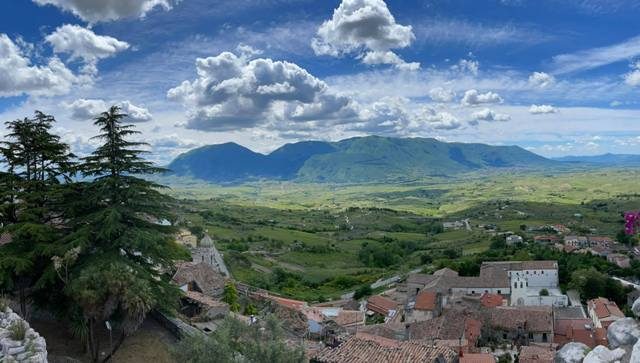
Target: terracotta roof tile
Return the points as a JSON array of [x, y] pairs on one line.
[[535, 319], [366, 348], [208, 280], [605, 308], [491, 300], [477, 358], [426, 300], [381, 304]]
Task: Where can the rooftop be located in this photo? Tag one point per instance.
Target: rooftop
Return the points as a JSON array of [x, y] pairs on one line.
[[381, 304], [366, 348], [536, 354], [534, 319], [477, 358], [426, 300], [207, 279], [605, 308]]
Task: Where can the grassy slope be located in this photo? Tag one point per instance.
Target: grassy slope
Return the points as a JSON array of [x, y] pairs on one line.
[[276, 216]]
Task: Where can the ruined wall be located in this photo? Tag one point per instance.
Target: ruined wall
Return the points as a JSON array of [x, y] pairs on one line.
[[30, 349]]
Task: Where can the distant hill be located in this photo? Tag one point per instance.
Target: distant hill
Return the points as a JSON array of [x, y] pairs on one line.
[[360, 159], [608, 159]]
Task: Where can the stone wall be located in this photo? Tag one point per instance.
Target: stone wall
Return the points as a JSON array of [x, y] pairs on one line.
[[32, 349]]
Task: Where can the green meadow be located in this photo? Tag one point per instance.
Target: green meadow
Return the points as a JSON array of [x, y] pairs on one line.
[[317, 241]]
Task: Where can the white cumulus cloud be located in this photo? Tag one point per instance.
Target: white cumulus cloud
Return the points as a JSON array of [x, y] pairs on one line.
[[366, 28], [83, 44], [94, 11], [541, 79], [235, 92], [542, 109], [438, 120], [442, 95], [473, 98], [488, 115], [19, 76], [86, 109]]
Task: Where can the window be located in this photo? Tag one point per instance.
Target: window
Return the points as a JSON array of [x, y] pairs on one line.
[[530, 335], [504, 336], [499, 292], [521, 285], [544, 337], [473, 292], [515, 285]]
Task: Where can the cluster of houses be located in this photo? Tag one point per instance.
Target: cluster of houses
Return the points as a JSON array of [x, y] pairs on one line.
[[512, 307], [444, 317]]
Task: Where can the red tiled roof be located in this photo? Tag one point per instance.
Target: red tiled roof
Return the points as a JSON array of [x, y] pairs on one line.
[[533, 319], [381, 304], [605, 308], [426, 300], [477, 358], [491, 300], [366, 348], [574, 330]]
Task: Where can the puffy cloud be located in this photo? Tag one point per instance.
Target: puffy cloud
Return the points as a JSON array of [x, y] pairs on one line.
[[542, 109], [83, 44], [365, 27], [438, 120], [389, 57], [442, 95], [135, 113], [473, 98], [86, 109], [94, 11], [633, 78], [489, 116], [541, 79], [18, 76], [234, 92]]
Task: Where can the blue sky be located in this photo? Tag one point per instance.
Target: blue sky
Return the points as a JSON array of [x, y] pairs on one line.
[[557, 77]]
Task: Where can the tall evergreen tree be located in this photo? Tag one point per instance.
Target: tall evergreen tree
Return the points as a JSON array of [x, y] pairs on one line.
[[123, 249], [36, 163]]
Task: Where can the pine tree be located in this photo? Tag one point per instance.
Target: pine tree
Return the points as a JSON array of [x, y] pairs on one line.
[[36, 162], [118, 274]]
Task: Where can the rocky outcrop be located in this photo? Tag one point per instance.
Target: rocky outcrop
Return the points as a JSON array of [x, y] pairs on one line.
[[624, 332], [572, 353], [25, 346], [602, 354]]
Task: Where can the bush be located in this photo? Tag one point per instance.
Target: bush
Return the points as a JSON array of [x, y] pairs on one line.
[[4, 304], [362, 292], [18, 330], [544, 292]]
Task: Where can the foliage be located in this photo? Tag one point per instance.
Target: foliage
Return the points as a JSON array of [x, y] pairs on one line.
[[234, 341], [362, 292], [18, 330], [230, 296], [544, 292], [250, 309], [592, 283]]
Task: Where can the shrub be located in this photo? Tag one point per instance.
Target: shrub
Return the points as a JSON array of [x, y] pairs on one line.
[[544, 292], [4, 304], [18, 330]]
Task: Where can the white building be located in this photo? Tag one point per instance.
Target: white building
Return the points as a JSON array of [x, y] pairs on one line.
[[514, 239]]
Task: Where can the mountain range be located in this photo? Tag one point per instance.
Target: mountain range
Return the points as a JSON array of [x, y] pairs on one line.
[[359, 159], [605, 159]]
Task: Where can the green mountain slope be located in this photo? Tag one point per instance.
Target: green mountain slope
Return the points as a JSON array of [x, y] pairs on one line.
[[362, 159]]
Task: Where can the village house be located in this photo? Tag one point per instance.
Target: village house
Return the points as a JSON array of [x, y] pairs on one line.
[[576, 241], [366, 348], [377, 304], [514, 239], [525, 283], [579, 330], [603, 312], [546, 239], [427, 305], [186, 238], [492, 300], [522, 325], [598, 241], [199, 277], [456, 329], [561, 229], [619, 259]]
